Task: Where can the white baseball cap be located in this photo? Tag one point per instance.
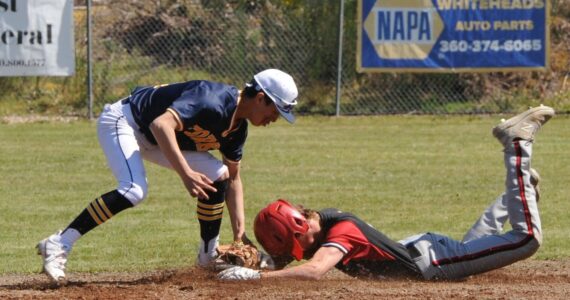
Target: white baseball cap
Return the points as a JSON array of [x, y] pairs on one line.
[[281, 88]]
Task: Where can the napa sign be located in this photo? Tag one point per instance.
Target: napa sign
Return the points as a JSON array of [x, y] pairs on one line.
[[36, 38], [452, 35]]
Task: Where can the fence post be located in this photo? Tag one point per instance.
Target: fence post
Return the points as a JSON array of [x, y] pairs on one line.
[[339, 61], [89, 64]]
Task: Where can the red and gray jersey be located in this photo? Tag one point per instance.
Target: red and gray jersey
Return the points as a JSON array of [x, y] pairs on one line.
[[366, 250], [204, 110]]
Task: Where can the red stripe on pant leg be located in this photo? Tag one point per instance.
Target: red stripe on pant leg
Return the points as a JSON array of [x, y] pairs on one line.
[[480, 254], [506, 247], [522, 193]]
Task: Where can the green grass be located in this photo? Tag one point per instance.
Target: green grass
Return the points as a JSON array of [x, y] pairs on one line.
[[404, 175]]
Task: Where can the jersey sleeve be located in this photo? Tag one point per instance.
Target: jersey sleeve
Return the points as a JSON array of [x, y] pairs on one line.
[[233, 149], [346, 237]]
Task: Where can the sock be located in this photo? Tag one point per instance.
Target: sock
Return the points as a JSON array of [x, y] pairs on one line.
[[210, 213], [209, 250], [97, 212], [69, 237]]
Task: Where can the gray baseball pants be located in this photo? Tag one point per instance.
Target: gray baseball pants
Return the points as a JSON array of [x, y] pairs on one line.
[[484, 247]]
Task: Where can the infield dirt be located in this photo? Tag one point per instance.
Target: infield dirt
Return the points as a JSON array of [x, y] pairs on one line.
[[530, 279]]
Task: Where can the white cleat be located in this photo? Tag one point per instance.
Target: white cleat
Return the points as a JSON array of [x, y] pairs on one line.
[[212, 263], [523, 126], [54, 255], [208, 254], [209, 259], [205, 260]]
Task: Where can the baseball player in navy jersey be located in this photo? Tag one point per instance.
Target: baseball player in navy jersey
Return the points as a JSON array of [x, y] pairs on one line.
[[175, 126], [331, 238]]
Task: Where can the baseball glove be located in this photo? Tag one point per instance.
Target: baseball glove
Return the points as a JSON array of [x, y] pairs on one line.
[[238, 254]]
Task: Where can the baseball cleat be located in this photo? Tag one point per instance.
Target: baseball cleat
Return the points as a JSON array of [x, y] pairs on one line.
[[54, 255], [207, 254], [204, 260], [213, 263], [210, 259], [523, 126], [535, 180], [208, 262]]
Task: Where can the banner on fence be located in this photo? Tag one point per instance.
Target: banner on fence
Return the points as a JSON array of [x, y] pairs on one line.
[[452, 35], [36, 38]]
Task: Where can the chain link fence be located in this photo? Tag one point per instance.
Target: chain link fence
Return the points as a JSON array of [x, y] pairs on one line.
[[152, 42], [148, 42]]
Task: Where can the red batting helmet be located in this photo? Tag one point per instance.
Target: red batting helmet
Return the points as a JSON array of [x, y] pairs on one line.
[[275, 227]]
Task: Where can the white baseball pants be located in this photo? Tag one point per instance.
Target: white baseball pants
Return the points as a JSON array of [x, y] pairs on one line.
[[125, 148]]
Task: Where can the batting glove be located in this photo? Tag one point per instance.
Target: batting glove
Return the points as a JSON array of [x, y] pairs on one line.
[[239, 273]]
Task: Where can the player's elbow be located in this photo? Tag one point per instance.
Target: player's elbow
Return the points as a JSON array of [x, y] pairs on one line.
[[317, 276], [157, 125], [165, 122]]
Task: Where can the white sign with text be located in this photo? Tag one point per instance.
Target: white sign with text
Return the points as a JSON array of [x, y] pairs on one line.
[[36, 38]]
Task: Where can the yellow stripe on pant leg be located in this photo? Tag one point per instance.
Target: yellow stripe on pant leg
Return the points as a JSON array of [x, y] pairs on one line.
[[100, 212], [94, 215], [210, 212], [104, 207], [210, 206], [209, 218]]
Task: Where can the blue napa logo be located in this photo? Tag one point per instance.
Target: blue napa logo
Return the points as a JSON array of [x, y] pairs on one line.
[[404, 25], [403, 29]]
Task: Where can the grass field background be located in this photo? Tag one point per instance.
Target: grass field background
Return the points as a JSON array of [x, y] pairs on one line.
[[404, 175]]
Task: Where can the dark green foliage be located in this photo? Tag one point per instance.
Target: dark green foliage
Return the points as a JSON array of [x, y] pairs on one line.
[[154, 42]]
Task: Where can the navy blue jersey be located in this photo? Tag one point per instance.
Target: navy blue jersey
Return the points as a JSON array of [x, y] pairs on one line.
[[205, 110]]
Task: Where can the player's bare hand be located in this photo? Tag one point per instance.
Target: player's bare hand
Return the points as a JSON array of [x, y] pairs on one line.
[[198, 185], [245, 240]]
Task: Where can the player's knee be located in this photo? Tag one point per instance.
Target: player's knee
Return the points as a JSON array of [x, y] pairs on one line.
[[134, 192], [532, 246], [538, 239], [225, 173]]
